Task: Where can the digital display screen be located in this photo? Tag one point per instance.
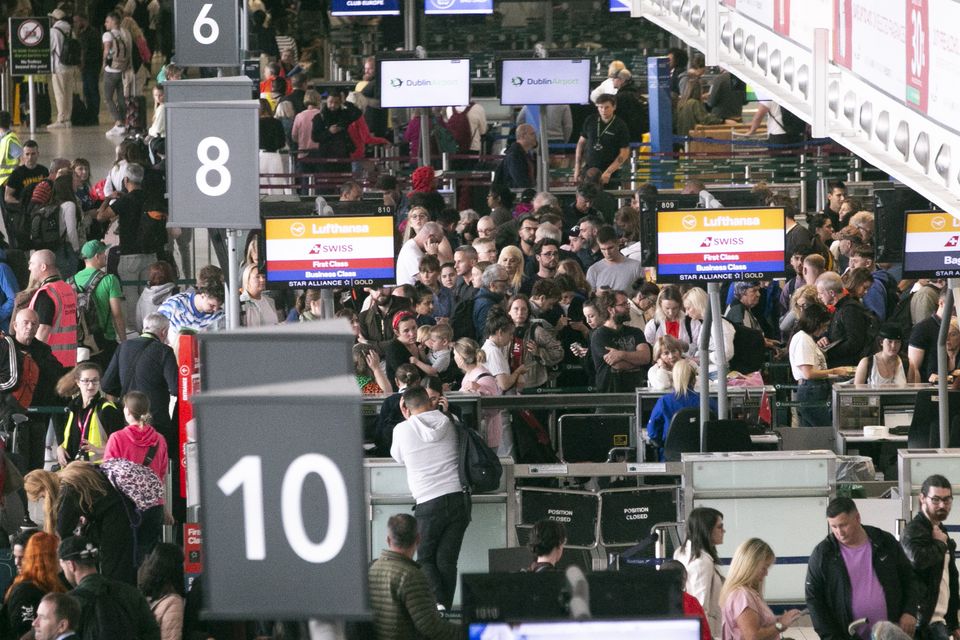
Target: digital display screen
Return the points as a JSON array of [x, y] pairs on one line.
[[931, 245], [330, 251], [424, 83], [456, 7], [365, 8], [686, 629], [620, 6], [544, 81], [720, 244]]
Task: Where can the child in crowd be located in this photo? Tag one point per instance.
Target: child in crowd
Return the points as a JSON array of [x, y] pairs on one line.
[[390, 416], [667, 351], [424, 307], [448, 279], [430, 280], [440, 355]]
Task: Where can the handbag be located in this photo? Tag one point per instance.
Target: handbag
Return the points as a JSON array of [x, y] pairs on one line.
[[136, 481]]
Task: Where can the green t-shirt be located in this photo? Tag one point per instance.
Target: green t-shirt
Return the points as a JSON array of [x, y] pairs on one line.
[[108, 288]]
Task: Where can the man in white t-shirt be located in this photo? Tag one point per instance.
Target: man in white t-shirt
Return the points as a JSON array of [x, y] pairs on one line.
[[426, 241], [117, 46]]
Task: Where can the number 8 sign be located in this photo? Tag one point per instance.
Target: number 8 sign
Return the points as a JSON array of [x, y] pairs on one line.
[[206, 34], [213, 164]]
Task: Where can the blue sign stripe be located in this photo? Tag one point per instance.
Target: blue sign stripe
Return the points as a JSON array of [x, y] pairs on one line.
[[691, 269], [284, 276]]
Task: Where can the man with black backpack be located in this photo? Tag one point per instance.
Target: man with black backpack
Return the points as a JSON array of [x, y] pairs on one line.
[[426, 443], [100, 322], [108, 608], [64, 60]]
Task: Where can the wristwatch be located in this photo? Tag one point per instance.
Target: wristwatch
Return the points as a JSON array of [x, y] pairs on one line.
[[779, 626]]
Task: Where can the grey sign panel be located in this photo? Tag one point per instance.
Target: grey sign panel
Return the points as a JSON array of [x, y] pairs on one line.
[[281, 484], [208, 89], [317, 349], [213, 164], [207, 34]]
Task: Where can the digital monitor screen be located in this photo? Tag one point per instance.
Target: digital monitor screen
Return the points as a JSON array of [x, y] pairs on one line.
[[683, 629], [424, 83], [720, 244], [329, 251], [365, 8], [455, 7], [618, 6], [544, 81], [931, 245]]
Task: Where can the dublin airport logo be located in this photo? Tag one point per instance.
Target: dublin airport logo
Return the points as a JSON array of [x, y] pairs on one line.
[[516, 81], [396, 83]]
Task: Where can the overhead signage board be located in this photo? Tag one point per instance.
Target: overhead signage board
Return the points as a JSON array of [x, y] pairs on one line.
[[29, 46], [720, 244], [365, 8], [544, 81], [330, 251], [424, 83], [931, 245], [456, 7], [207, 34], [617, 6]]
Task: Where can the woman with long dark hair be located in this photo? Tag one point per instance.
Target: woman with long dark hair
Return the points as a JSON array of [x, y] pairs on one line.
[[704, 531], [160, 579], [67, 248]]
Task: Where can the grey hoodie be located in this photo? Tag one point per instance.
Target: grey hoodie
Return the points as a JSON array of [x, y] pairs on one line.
[[427, 445], [151, 299]]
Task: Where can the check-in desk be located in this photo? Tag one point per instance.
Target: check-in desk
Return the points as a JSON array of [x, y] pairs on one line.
[[778, 496], [859, 405], [743, 403], [916, 465]]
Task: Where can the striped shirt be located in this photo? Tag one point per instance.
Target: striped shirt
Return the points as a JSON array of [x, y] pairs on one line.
[[183, 314]]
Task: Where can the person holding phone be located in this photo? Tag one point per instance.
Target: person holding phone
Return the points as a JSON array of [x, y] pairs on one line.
[[745, 614], [857, 572]]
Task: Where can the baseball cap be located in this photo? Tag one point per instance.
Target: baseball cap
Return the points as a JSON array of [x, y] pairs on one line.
[[92, 248], [77, 548]]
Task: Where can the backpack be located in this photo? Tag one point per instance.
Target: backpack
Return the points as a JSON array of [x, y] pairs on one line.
[[44, 221], [749, 349], [137, 482], [459, 127], [902, 317], [89, 331], [119, 59], [27, 374], [462, 320], [70, 51], [480, 468], [792, 124], [104, 615], [446, 142]]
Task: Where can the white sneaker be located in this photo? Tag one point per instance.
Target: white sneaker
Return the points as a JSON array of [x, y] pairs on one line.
[[58, 125], [117, 130]]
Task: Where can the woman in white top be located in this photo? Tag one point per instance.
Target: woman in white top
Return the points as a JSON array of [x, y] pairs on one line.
[[669, 318], [256, 309], [667, 351], [704, 531], [67, 250], [607, 87], [499, 331], [886, 366], [809, 366], [695, 306]]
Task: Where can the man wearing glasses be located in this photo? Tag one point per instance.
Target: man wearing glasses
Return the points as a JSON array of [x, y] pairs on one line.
[[930, 551]]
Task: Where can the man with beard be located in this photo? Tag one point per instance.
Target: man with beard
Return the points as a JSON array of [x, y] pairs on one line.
[[620, 352], [547, 254], [375, 322], [930, 550]]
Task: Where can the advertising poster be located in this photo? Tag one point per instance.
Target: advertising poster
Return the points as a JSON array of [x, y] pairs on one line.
[[720, 244], [931, 247], [918, 54], [330, 252]]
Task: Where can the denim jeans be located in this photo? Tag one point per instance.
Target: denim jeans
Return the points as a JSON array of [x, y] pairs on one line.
[[113, 95], [814, 391], [91, 95], [442, 523]]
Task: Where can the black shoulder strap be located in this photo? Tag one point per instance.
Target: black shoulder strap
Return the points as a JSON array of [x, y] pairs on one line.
[[485, 374], [151, 452]]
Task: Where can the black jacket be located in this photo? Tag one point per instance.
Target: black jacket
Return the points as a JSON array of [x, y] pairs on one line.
[[335, 145], [147, 365], [850, 328], [926, 556], [828, 583], [518, 168]]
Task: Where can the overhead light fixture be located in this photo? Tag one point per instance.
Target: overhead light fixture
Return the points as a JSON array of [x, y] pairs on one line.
[[738, 40], [866, 117], [803, 80], [849, 105], [726, 34], [775, 64], [762, 56], [882, 129], [921, 151], [901, 139], [788, 69], [942, 162], [833, 98]]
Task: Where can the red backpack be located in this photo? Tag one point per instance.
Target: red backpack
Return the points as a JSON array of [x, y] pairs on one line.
[[459, 126]]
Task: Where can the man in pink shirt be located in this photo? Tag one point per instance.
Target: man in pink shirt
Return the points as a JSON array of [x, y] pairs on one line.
[[301, 134]]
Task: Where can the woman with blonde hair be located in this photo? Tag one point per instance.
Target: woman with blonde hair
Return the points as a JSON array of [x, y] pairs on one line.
[[695, 305], [44, 486], [802, 298], [418, 216], [684, 396], [572, 269], [667, 352], [511, 259], [670, 318], [38, 576], [745, 615], [470, 358], [607, 86]]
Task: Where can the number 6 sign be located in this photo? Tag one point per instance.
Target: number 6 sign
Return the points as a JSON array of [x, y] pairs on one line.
[[206, 34], [213, 164]]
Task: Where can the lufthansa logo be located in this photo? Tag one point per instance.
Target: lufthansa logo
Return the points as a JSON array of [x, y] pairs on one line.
[[938, 223], [689, 222], [297, 229]]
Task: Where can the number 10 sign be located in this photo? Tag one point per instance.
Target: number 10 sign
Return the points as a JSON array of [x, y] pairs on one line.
[[207, 34], [214, 169]]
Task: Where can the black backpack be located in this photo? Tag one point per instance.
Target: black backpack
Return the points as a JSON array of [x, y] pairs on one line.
[[44, 221], [792, 124], [749, 349], [103, 614], [480, 468], [70, 52], [89, 332]]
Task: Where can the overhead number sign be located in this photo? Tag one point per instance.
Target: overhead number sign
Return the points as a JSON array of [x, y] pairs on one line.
[[330, 251], [214, 168], [207, 34], [720, 244], [29, 46], [931, 246]]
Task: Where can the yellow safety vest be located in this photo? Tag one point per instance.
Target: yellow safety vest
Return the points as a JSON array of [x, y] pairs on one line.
[[7, 162], [95, 434]]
